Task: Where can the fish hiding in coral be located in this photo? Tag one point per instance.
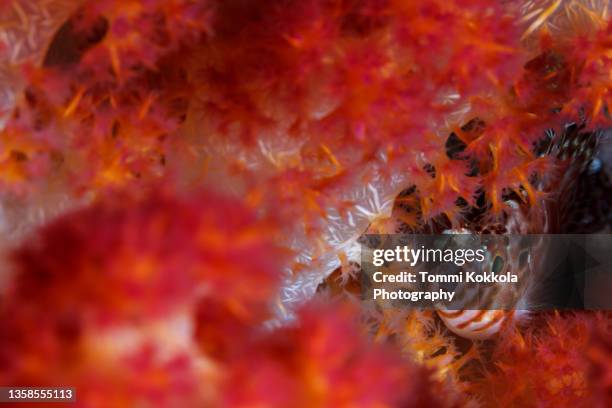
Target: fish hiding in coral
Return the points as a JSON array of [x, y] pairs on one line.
[[545, 210], [545, 206]]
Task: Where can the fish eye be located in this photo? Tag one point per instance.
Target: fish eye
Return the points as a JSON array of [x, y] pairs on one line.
[[498, 264]]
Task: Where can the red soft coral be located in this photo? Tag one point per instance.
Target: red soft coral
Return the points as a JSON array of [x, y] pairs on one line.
[[105, 298], [128, 257], [324, 361], [550, 366]]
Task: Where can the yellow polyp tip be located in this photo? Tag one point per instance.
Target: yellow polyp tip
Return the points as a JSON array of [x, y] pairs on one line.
[[442, 184], [520, 340], [74, 103], [550, 75], [146, 106], [541, 19], [596, 107], [115, 61], [453, 185], [494, 149], [331, 156], [494, 199]]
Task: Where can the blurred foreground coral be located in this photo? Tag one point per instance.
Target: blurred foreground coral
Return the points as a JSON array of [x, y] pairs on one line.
[[160, 301]]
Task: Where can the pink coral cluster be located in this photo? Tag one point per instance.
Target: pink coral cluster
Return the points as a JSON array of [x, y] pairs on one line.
[[341, 82], [562, 361], [160, 300]]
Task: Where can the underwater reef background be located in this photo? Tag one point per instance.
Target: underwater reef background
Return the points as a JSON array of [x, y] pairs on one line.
[[185, 184]]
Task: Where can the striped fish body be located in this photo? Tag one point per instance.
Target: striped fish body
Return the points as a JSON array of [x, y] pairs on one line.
[[572, 151]]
